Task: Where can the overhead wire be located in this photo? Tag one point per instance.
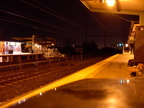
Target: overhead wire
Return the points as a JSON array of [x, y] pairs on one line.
[[36, 20], [117, 15], [25, 24], [95, 18], [100, 22], [59, 17], [32, 26], [121, 17]]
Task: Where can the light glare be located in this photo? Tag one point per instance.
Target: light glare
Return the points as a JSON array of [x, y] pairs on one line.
[[110, 2], [126, 45]]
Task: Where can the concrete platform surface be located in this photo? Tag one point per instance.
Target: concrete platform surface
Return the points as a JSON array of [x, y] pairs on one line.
[[112, 67]]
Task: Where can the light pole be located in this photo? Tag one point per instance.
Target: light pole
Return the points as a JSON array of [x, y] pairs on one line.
[[33, 36]]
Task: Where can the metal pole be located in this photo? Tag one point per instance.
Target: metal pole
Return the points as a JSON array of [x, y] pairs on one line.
[[105, 37], [86, 28], [59, 59], [20, 62]]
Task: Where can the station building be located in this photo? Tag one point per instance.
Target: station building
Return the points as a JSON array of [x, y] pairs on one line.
[[17, 49], [36, 44], [10, 47]]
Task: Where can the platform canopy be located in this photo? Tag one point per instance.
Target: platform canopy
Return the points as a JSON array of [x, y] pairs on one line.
[[129, 7]]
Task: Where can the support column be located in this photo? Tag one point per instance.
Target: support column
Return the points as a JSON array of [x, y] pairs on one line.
[[19, 58], [36, 57], [10, 58], [28, 58], [4, 59]]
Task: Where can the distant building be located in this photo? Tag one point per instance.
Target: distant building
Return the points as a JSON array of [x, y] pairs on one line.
[[36, 43], [10, 46]]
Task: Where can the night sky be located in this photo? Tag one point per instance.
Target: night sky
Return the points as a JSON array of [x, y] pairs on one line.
[[61, 19]]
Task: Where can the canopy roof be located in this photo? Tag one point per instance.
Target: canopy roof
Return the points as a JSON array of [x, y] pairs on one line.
[[133, 7]]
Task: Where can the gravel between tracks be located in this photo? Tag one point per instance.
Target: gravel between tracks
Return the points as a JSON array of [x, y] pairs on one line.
[[18, 88]]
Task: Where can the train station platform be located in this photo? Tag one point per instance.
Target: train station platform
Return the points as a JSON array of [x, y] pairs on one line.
[[20, 57], [112, 67], [115, 68]]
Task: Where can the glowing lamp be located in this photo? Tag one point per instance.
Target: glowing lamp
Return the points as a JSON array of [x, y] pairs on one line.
[[36, 44], [126, 45], [110, 2]]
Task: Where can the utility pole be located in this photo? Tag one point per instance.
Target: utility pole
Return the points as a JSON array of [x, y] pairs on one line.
[[105, 37], [33, 42], [86, 28], [124, 32]]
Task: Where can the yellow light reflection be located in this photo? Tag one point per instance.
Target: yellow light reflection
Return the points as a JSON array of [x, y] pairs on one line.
[[40, 93], [122, 81], [112, 102], [21, 101], [128, 81], [110, 2]]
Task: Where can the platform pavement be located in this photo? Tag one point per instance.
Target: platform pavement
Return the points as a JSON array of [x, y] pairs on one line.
[[112, 67], [116, 68]]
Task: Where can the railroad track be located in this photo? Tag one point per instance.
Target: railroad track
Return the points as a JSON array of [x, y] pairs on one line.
[[27, 72], [37, 69]]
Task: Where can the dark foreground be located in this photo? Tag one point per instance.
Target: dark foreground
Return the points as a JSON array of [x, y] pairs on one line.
[[90, 93]]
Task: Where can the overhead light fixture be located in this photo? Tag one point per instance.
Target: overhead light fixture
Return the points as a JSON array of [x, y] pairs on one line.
[[102, 1], [110, 2], [99, 1]]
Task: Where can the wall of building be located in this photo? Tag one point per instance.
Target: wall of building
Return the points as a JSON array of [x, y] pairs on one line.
[[10, 47]]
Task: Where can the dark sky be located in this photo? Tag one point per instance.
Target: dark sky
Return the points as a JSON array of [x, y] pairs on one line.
[[60, 19]]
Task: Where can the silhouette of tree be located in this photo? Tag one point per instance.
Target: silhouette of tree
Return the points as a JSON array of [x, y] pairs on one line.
[[90, 48]]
